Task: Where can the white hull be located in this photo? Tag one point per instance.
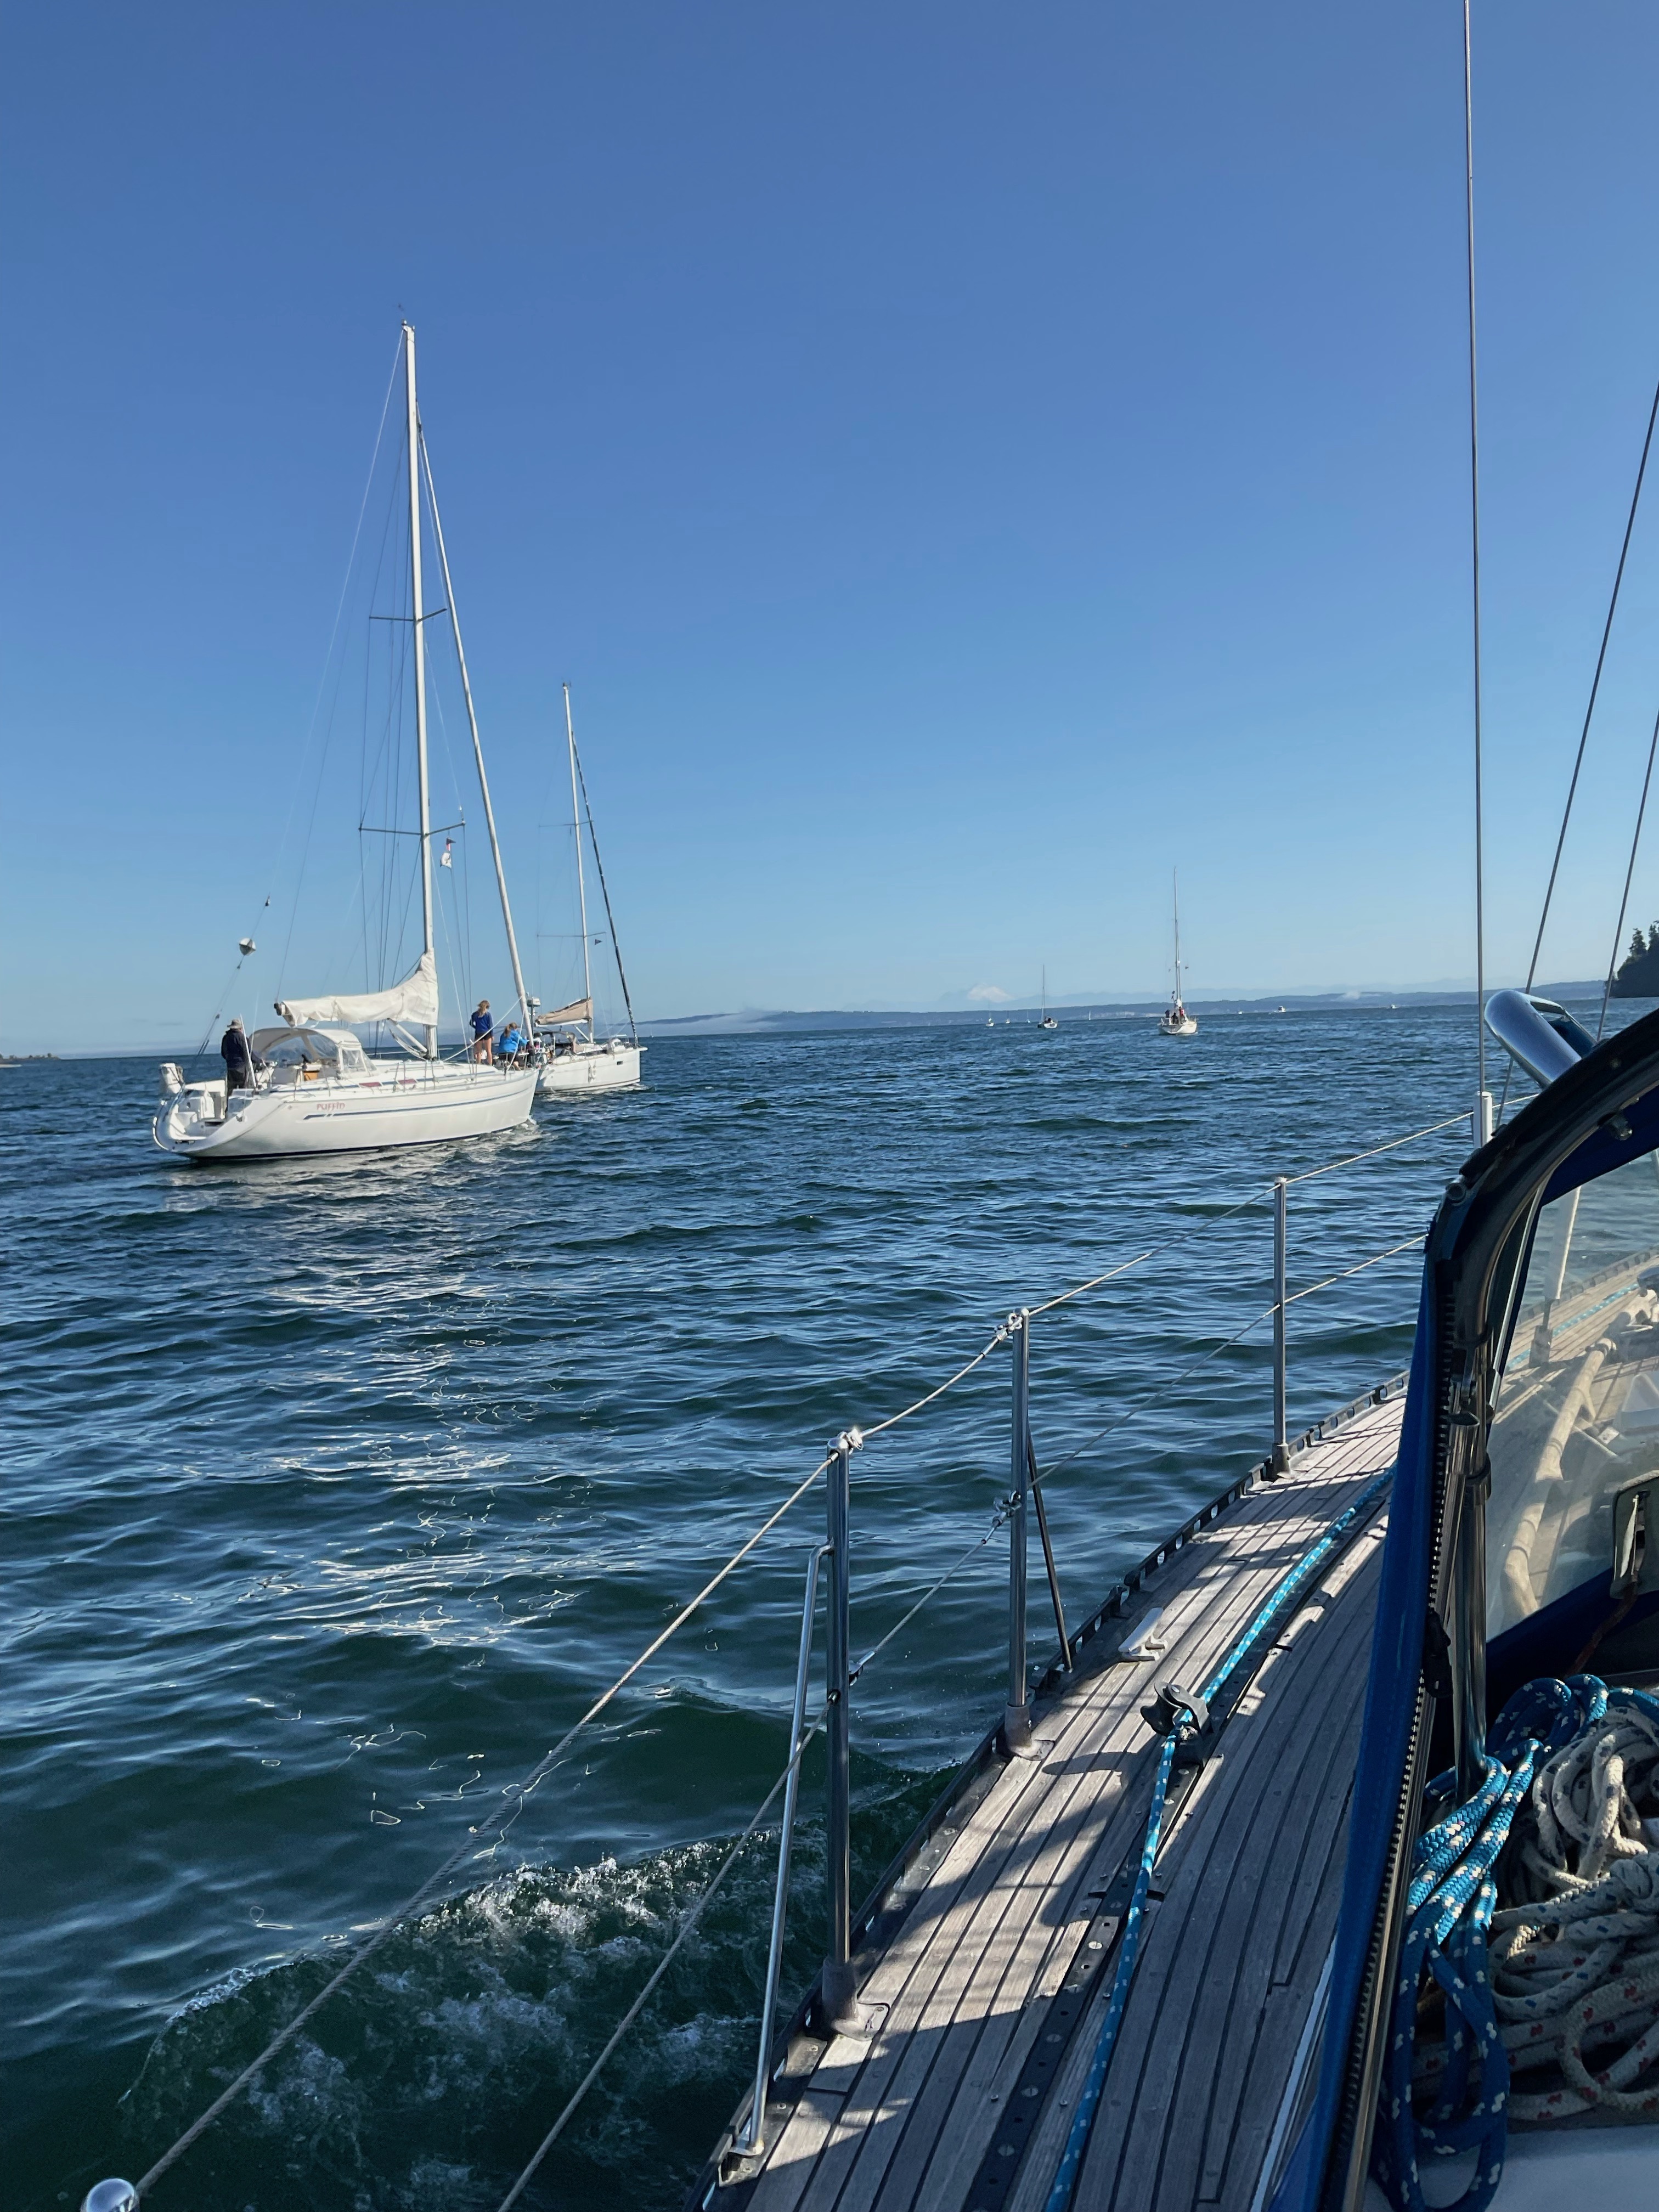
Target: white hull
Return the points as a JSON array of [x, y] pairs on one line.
[[1172, 1025], [613, 1065], [397, 1103]]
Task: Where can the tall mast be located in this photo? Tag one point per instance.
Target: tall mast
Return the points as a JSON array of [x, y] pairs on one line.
[[477, 754], [581, 881], [420, 657], [1175, 883]]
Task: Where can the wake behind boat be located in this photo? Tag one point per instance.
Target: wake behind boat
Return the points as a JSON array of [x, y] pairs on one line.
[[307, 1085]]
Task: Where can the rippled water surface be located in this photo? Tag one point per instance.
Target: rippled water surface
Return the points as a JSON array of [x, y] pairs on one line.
[[334, 1492]]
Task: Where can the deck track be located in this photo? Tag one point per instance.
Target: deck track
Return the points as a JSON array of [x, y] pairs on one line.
[[902, 2120]]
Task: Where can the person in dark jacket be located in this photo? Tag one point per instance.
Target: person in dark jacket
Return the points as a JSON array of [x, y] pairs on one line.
[[240, 1058]]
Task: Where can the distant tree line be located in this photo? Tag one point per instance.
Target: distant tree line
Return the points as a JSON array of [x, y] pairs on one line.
[[1639, 974]]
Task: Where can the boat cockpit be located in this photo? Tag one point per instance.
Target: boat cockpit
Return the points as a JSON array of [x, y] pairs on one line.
[[310, 1054], [1491, 2029]]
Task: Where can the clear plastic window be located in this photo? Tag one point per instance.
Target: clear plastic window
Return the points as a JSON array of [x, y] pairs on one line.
[[1576, 1423]]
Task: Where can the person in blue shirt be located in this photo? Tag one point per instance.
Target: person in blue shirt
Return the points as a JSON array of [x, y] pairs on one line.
[[481, 1027], [511, 1044]]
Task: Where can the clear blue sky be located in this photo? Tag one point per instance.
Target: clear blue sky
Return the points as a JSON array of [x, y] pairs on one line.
[[965, 460]]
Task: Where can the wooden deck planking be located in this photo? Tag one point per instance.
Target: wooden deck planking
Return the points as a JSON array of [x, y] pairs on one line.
[[1286, 1986], [1234, 1877], [988, 1939]]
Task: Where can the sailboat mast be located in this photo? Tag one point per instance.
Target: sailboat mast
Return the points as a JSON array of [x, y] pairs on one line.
[[581, 880], [420, 657], [477, 754], [1174, 884]]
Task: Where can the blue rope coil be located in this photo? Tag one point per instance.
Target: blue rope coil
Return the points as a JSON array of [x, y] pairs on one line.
[[1449, 1905]]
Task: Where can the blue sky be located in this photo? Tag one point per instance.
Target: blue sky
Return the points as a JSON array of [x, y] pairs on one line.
[[965, 461]]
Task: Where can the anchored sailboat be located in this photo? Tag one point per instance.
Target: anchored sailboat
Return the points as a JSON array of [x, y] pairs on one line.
[[1047, 1021], [313, 1088], [1174, 1020], [576, 1059]]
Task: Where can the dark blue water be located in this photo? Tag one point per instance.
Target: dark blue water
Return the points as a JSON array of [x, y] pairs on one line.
[[334, 1492]]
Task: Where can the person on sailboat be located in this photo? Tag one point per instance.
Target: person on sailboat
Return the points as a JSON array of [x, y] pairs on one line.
[[481, 1027], [511, 1044], [241, 1061]]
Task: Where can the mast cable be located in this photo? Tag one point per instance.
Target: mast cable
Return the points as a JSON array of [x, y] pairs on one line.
[[1474, 540], [587, 804], [1618, 931], [1595, 685]]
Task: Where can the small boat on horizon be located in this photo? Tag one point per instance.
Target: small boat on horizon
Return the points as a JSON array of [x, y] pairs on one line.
[[1174, 1020], [1047, 1021]]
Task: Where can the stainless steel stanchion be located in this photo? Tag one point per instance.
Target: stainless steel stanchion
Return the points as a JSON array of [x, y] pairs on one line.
[[837, 1983], [1017, 1714], [1281, 1454]]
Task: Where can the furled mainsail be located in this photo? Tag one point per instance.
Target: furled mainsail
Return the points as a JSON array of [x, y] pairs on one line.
[[414, 1002]]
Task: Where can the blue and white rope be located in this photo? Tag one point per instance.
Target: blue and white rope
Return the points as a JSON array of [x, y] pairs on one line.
[[1288, 1586]]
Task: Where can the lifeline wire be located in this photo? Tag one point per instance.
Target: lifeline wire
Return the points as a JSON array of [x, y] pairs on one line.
[[1163, 1384], [1077, 2141], [661, 1968], [1393, 1145], [537, 1775]]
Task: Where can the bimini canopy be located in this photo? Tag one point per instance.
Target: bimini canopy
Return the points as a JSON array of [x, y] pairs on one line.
[[336, 1049], [413, 1002], [1523, 1528]]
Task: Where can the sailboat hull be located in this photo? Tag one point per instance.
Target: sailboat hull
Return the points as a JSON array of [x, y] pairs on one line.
[[612, 1065], [398, 1103]]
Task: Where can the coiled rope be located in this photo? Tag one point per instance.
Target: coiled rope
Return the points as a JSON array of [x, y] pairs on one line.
[[1289, 1585], [1571, 1962]]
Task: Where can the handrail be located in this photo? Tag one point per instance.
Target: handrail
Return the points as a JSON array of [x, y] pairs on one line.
[[537, 1774], [1452, 1121]]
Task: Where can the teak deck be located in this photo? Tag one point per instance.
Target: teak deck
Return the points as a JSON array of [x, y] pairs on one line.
[[959, 2096]]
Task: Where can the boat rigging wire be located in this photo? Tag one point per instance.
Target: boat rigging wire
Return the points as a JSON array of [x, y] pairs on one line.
[[1623, 903], [1595, 685], [322, 681], [593, 839], [660, 1969], [1475, 538], [1308, 1174]]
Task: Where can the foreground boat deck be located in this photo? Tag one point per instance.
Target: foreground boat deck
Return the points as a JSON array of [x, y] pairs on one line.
[[985, 1971]]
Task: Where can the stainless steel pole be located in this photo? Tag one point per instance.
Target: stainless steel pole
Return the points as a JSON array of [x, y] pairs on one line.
[[1017, 1714], [1281, 1459], [753, 2136], [835, 1985]]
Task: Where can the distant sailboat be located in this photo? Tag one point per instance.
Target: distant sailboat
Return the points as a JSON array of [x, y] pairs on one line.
[[310, 1087], [574, 1057], [1174, 1020], [1047, 1021]]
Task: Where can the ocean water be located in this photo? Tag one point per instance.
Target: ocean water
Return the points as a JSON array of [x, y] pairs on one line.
[[333, 1493]]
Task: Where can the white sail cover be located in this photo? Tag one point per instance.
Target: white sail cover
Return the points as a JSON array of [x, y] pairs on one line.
[[413, 1002], [578, 1010]]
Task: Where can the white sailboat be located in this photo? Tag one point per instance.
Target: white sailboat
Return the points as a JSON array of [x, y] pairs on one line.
[[574, 1057], [318, 1091], [1047, 1021], [1174, 1020]]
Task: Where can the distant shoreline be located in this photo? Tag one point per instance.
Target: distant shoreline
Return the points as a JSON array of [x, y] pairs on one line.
[[791, 1023]]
